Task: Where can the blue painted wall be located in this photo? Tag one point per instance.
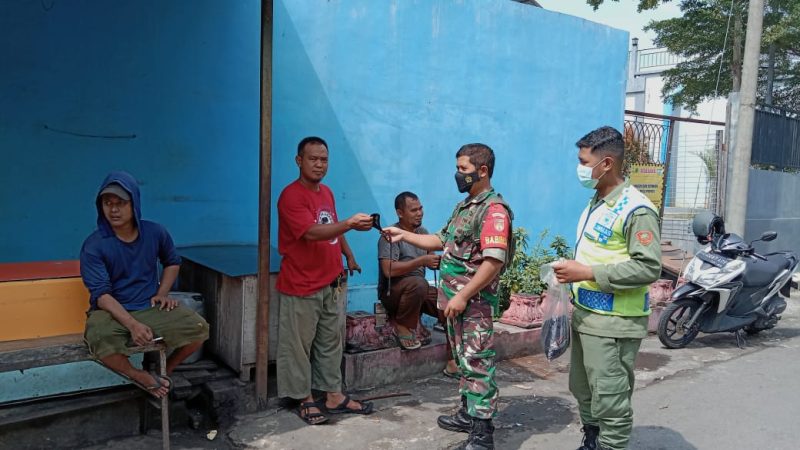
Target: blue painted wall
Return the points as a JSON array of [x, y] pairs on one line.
[[182, 77], [396, 87]]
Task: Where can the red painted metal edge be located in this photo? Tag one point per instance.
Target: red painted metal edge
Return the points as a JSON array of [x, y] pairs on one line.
[[39, 270]]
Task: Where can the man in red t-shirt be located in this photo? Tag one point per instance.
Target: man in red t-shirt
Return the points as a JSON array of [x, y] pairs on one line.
[[311, 241]]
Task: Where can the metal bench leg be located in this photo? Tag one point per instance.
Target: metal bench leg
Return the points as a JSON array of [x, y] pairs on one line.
[[164, 401]]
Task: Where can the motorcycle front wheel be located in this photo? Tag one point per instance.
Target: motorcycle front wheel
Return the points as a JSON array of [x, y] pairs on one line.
[[672, 331]]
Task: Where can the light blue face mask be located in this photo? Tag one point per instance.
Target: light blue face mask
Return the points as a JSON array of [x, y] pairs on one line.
[[585, 175]]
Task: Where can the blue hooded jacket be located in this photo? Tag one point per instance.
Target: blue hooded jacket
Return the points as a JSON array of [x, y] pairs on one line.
[[126, 271]]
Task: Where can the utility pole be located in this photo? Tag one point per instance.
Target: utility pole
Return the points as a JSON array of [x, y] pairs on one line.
[[740, 174]]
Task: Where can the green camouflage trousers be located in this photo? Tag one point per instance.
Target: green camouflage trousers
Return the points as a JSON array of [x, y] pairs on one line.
[[471, 336], [601, 379]]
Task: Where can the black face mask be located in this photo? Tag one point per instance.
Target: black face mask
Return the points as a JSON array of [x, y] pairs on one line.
[[464, 181]]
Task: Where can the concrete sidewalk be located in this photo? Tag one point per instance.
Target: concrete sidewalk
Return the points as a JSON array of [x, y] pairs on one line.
[[536, 408]]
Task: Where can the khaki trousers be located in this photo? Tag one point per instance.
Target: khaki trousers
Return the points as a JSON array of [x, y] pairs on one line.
[[309, 344], [601, 379]]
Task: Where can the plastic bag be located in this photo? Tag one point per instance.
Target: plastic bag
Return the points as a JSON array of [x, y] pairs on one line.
[[555, 336]]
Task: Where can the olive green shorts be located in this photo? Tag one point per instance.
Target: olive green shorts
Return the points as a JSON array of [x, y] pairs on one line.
[[179, 327]]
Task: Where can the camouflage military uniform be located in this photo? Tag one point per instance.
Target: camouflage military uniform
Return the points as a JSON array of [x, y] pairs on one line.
[[478, 228]]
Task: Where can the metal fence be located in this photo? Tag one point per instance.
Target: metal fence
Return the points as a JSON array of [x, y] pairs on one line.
[[652, 59], [776, 138], [647, 137], [690, 151]]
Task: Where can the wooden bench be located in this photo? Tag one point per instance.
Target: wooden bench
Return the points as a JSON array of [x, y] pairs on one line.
[[49, 351]]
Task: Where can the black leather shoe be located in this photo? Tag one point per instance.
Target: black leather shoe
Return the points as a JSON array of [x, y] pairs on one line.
[[481, 437], [460, 422], [590, 433]]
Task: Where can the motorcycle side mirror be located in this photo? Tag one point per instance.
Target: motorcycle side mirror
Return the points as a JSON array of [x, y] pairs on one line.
[[769, 236], [766, 237]]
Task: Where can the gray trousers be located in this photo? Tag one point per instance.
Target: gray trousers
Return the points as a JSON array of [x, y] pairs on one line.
[[309, 344]]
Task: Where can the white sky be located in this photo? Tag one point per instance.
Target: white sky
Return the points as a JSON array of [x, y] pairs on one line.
[[620, 15]]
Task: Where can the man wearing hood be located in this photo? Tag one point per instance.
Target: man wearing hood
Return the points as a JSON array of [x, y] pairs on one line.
[[128, 303]]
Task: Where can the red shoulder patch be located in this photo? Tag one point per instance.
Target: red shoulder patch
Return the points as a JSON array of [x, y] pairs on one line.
[[495, 232], [645, 237]]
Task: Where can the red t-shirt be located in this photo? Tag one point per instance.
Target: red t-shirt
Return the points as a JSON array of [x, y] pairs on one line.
[[307, 266]]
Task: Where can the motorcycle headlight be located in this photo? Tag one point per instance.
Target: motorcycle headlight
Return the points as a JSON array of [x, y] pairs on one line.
[[711, 276]]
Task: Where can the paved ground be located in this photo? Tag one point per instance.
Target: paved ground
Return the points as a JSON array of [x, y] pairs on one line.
[[711, 395]]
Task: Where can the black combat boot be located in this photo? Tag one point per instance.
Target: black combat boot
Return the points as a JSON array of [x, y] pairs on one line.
[[460, 421], [590, 433], [481, 437]]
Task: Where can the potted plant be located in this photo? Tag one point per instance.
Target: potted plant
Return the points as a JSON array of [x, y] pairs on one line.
[[521, 288]]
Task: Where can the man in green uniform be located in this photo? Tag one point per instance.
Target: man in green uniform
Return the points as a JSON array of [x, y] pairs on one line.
[[476, 247], [617, 256]]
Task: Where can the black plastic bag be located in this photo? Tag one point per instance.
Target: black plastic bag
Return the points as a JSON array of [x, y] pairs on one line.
[[556, 328]]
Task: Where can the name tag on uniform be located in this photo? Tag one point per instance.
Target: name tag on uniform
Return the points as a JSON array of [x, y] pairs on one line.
[[603, 226], [608, 218]]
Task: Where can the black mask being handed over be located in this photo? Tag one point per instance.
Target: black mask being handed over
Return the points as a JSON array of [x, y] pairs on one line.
[[464, 181]]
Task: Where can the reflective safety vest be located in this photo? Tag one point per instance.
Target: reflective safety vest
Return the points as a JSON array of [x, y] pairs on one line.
[[601, 240]]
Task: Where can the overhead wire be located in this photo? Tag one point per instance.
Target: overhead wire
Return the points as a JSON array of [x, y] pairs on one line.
[[714, 103]]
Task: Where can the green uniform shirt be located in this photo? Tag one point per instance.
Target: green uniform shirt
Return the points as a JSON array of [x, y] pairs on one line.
[[643, 268], [468, 239]]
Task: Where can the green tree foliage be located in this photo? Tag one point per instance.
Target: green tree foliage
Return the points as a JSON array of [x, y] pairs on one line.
[[698, 36], [643, 4]]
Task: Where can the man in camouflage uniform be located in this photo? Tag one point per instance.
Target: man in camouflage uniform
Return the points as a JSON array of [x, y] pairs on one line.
[[476, 247]]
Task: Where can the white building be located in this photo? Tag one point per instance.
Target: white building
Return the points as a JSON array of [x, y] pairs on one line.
[[691, 183]]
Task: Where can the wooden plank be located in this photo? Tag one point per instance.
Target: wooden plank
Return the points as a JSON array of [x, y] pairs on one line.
[[229, 318], [50, 351], [250, 297], [274, 315], [195, 277], [41, 308], [29, 353], [48, 407]]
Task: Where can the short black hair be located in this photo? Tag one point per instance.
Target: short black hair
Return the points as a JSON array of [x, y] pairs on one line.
[[400, 200], [604, 139], [310, 140], [479, 155]]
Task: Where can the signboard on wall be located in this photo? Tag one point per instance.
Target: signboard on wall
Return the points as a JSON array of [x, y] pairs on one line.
[[649, 179]]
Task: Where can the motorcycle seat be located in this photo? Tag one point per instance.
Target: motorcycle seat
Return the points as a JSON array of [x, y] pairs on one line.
[[762, 273]]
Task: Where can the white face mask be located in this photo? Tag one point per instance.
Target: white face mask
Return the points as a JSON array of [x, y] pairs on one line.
[[585, 175]]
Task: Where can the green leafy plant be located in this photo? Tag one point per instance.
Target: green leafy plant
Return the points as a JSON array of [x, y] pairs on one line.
[[709, 159], [522, 275]]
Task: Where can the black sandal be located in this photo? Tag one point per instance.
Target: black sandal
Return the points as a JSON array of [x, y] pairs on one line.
[[341, 408], [311, 418]]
